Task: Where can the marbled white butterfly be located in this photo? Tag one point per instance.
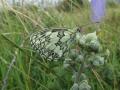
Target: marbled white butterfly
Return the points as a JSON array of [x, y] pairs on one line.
[[55, 43]]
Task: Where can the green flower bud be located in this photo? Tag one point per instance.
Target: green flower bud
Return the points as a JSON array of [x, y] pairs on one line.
[[84, 85], [75, 87], [94, 45], [96, 63], [83, 77], [98, 60], [91, 36], [79, 58]]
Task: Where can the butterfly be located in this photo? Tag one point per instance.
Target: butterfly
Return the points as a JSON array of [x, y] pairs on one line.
[[54, 44]]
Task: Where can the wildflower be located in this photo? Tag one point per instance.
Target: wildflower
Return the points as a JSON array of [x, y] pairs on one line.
[[98, 10]]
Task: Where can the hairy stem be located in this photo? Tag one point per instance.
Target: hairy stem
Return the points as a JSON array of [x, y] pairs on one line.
[[79, 73]]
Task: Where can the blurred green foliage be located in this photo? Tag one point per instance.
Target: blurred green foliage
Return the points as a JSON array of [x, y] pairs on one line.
[[68, 5], [29, 72]]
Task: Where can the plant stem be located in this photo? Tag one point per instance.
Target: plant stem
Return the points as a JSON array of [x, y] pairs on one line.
[[79, 73]]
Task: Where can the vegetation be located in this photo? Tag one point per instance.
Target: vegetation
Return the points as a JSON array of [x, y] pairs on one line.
[[28, 72]]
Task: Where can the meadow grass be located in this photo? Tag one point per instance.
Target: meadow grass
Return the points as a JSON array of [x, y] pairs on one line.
[[29, 72]]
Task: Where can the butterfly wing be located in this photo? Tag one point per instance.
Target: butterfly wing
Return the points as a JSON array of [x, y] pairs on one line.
[[52, 44]]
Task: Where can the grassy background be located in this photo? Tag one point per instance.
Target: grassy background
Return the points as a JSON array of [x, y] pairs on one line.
[[31, 73]]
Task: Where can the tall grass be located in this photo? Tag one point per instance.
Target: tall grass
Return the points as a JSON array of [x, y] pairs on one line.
[[29, 72]]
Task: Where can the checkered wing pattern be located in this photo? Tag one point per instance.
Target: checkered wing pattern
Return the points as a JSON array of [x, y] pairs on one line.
[[51, 44]]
